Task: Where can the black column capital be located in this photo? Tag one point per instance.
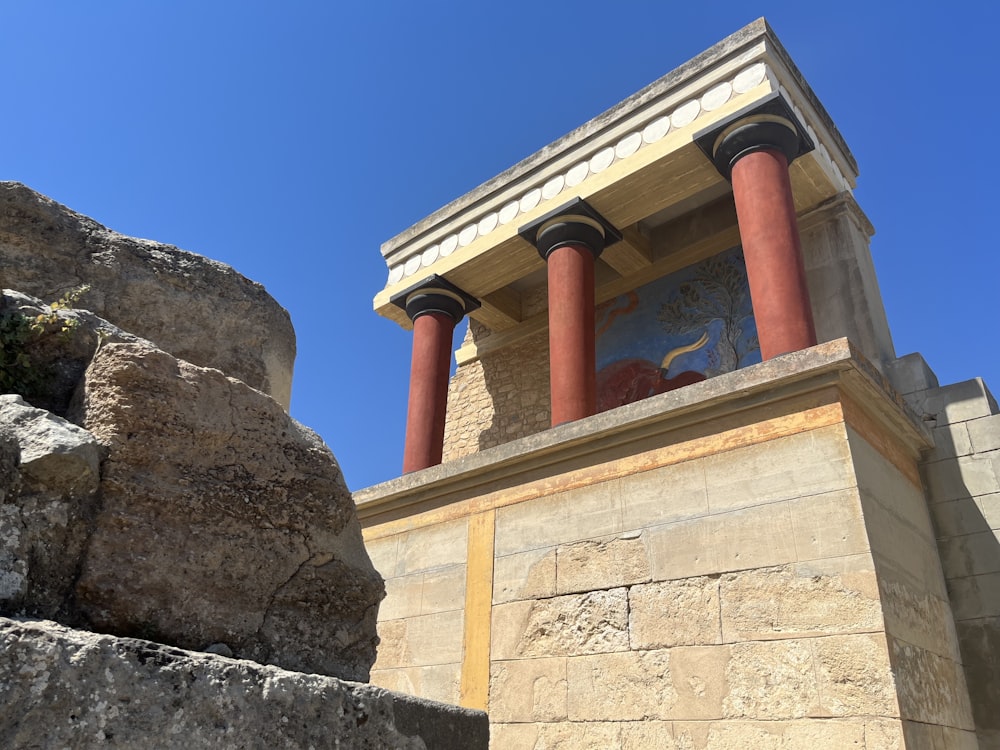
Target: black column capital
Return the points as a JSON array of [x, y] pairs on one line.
[[435, 294], [573, 223], [768, 124]]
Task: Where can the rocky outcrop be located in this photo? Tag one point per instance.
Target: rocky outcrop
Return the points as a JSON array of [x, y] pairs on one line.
[[57, 354], [195, 308], [46, 511], [222, 521], [64, 688]]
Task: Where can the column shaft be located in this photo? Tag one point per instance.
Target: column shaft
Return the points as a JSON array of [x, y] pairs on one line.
[[572, 364], [425, 414], [769, 231]]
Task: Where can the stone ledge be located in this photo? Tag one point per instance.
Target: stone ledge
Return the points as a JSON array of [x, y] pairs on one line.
[[631, 428], [144, 694]]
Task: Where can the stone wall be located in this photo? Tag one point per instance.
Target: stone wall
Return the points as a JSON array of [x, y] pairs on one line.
[[501, 397], [421, 622], [698, 570], [962, 475]]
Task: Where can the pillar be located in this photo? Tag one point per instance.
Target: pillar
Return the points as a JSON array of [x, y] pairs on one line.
[[435, 307], [570, 239], [754, 153]]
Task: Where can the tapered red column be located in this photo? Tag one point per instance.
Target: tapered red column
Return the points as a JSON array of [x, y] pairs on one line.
[[426, 409], [754, 151], [769, 232], [572, 363], [570, 239], [434, 306]]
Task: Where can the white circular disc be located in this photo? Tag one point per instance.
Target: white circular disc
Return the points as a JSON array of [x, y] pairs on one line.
[[467, 235], [395, 274], [748, 78], [553, 187], [508, 212], [429, 256], [412, 264], [716, 96], [628, 145], [577, 174], [602, 160], [530, 200], [448, 245], [684, 115], [656, 130], [487, 224]]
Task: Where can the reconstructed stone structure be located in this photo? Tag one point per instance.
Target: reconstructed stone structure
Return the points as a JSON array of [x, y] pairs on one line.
[[689, 495]]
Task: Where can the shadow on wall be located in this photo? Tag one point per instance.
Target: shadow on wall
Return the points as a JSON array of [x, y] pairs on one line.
[[962, 476]]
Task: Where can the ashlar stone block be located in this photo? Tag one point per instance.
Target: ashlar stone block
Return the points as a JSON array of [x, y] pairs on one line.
[[781, 603], [525, 575], [674, 613], [528, 690], [828, 525], [590, 623], [630, 686], [439, 682], [582, 513], [773, 735], [966, 476], [750, 538], [601, 564], [771, 680], [854, 676], [984, 433], [932, 689], [432, 547], [669, 493], [809, 463], [591, 735]]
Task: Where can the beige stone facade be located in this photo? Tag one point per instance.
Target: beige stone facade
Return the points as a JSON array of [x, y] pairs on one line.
[[697, 570]]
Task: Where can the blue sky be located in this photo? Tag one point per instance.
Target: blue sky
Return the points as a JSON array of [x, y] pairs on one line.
[[291, 141]]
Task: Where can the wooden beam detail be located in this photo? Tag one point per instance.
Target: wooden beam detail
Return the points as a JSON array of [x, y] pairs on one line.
[[500, 309], [632, 254]]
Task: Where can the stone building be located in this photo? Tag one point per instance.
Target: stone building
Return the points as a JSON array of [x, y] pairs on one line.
[[680, 491]]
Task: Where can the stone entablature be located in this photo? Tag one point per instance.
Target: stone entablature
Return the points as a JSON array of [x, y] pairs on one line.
[[635, 161]]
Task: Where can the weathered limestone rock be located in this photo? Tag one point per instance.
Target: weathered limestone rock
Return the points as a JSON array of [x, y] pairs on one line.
[[66, 688], [195, 308], [57, 357], [44, 515], [222, 521]]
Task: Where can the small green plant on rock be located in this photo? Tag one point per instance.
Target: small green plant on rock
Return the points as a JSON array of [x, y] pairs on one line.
[[21, 333]]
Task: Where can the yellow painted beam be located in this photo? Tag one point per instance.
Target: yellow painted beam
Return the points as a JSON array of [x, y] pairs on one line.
[[475, 686]]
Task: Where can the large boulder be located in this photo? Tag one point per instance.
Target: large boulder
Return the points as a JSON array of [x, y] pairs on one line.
[[223, 522], [66, 688], [195, 308], [50, 474]]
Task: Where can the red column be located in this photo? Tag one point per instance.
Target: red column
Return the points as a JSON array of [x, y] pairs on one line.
[[769, 232], [425, 414], [572, 365]]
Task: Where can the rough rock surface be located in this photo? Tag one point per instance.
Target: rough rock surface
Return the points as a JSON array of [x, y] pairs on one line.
[[195, 308], [57, 358], [222, 521], [46, 510], [65, 688]]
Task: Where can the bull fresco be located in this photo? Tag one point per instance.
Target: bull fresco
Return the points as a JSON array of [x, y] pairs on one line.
[[680, 329]]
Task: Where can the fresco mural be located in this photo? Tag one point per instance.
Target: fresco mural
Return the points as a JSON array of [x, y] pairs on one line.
[[681, 329]]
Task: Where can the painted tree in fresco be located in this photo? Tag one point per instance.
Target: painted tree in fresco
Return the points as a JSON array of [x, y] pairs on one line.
[[718, 291]]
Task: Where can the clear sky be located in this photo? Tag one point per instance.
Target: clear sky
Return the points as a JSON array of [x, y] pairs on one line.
[[290, 140]]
